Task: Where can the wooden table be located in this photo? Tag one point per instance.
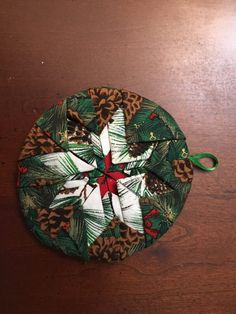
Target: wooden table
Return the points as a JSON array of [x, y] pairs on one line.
[[179, 53]]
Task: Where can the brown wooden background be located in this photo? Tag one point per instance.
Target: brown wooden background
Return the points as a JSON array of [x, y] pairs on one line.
[[179, 53]]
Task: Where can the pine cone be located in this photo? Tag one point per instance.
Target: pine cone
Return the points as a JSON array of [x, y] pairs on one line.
[[115, 248], [156, 185], [106, 102], [136, 149], [38, 142], [183, 170], [68, 190], [106, 248], [130, 236], [78, 133], [74, 116], [41, 182], [52, 221], [131, 104]]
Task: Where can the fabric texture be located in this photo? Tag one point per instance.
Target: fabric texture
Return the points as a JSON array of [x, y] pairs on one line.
[[103, 174]]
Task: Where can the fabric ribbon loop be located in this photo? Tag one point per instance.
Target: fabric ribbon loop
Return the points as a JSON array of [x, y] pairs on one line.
[[196, 161]]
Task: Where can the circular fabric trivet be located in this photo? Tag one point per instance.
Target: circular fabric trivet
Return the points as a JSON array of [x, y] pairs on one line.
[[103, 174]]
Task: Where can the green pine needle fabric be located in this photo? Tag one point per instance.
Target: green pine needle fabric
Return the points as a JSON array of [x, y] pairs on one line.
[[103, 174]]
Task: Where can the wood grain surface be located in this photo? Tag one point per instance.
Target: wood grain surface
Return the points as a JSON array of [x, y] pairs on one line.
[[179, 53]]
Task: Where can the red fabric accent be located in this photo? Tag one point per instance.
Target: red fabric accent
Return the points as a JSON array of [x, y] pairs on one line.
[[66, 225], [47, 133], [107, 162], [107, 182], [153, 212], [148, 223], [152, 116], [60, 102], [122, 166], [22, 169], [153, 233], [103, 185], [112, 186]]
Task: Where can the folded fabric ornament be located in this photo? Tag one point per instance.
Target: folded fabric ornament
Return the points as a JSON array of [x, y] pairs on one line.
[[104, 174]]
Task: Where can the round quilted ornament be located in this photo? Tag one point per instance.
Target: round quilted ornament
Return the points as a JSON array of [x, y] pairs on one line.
[[103, 174]]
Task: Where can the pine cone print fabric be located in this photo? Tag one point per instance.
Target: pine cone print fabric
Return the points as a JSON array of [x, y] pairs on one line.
[[103, 174], [183, 170], [106, 102], [117, 245]]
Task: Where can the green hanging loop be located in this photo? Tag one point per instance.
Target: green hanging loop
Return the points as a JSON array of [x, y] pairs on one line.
[[196, 161]]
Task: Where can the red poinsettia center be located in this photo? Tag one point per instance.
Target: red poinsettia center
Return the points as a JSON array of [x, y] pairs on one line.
[[108, 180]]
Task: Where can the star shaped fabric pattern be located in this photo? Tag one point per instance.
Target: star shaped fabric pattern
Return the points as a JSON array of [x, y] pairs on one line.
[[103, 174]]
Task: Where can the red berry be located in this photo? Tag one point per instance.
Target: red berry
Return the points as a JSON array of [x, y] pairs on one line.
[[152, 115]]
